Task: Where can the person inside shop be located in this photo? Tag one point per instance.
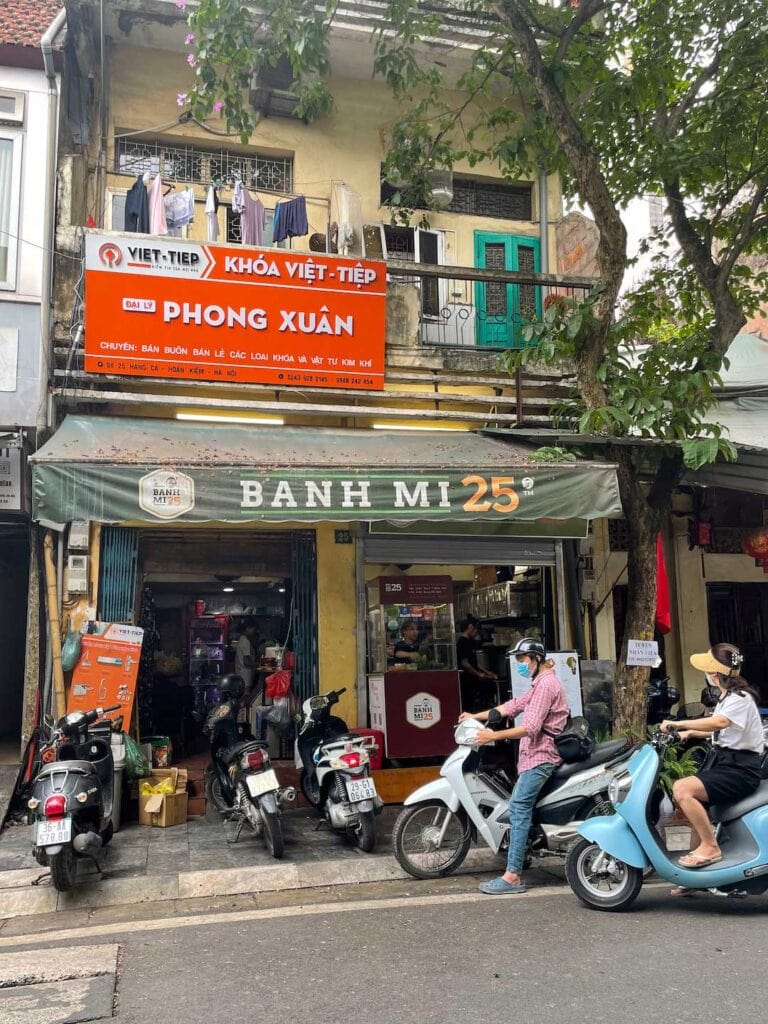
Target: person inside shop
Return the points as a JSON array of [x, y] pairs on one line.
[[245, 660], [478, 687], [408, 648], [545, 713], [732, 772]]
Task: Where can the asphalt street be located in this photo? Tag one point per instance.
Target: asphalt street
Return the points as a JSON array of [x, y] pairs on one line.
[[404, 952]]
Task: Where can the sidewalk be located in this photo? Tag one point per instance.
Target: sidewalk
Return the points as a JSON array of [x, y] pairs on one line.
[[200, 859]]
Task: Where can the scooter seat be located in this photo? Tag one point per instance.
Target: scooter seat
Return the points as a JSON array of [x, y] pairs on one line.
[[79, 767], [729, 812], [345, 737], [603, 752]]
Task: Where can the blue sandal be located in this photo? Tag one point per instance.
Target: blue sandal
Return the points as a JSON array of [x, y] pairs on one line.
[[498, 887]]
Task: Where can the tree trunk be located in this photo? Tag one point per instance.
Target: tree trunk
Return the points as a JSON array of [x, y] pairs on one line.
[[643, 521]]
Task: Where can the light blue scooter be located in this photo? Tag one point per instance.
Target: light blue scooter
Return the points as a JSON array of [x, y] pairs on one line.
[[607, 866]]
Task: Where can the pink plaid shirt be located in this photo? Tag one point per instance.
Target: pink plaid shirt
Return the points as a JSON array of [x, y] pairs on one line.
[[545, 706]]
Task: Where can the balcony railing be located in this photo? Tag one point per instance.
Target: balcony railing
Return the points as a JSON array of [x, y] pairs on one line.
[[469, 308]]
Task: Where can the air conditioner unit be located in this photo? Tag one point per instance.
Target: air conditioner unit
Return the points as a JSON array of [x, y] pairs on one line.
[[77, 574], [12, 108]]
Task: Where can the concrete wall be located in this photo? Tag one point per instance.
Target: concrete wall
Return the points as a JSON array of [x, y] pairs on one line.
[[20, 307], [348, 146]]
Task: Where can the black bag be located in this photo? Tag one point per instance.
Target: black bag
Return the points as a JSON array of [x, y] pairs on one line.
[[574, 743]]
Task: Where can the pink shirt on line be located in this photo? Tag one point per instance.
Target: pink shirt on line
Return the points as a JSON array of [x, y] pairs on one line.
[[545, 706]]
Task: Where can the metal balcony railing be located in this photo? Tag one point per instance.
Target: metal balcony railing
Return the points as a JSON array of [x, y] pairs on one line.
[[470, 308]]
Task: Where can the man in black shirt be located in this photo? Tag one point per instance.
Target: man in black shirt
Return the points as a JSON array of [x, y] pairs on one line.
[[478, 687]]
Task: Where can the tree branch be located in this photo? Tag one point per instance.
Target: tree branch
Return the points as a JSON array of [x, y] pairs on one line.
[[745, 233], [585, 12], [584, 161]]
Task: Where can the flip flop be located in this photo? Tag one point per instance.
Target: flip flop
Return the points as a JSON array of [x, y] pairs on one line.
[[693, 861], [681, 890], [498, 887]]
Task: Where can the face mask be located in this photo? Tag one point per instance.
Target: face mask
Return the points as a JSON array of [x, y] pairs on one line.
[[523, 669]]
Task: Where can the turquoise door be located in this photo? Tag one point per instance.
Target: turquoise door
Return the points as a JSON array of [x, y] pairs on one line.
[[502, 310]]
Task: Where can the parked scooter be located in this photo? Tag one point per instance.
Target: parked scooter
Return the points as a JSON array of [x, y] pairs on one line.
[[469, 801], [606, 867], [240, 782], [661, 696], [335, 770], [72, 795]]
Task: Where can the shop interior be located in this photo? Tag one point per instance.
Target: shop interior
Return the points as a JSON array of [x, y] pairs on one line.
[[508, 602], [198, 596]]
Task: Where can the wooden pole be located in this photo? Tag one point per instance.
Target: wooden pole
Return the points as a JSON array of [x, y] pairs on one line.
[[54, 626]]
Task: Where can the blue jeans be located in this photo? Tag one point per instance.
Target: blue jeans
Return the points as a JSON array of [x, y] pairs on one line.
[[521, 804]]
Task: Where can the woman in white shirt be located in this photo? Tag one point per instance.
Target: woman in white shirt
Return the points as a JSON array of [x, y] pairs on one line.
[[732, 772]]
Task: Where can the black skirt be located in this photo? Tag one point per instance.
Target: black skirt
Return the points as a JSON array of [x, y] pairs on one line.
[[730, 775]]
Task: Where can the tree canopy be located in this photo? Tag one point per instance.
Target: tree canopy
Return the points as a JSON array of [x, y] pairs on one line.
[[623, 100]]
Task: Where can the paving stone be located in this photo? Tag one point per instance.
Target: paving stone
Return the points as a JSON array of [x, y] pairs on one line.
[[113, 892], [60, 1002], [57, 963], [25, 901]]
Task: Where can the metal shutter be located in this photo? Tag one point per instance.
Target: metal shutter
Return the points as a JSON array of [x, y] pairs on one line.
[[441, 550]]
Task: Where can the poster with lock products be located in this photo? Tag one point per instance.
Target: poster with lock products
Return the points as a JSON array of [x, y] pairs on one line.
[[107, 669]]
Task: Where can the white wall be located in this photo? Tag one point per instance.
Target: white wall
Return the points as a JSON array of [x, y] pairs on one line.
[[32, 207]]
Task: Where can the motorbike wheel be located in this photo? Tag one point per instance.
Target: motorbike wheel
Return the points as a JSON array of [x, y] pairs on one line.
[[311, 794], [616, 887], [63, 868], [416, 835], [366, 831], [273, 833], [215, 801]]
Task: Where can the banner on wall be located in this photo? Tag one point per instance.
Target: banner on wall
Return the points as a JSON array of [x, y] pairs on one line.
[[107, 670], [171, 308]]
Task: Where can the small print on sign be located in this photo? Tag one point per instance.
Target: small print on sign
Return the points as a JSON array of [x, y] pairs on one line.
[[643, 653]]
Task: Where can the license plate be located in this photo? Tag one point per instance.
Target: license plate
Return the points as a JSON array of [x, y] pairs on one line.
[[360, 789], [54, 833], [264, 782]]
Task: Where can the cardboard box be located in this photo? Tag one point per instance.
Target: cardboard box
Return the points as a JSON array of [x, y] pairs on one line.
[[165, 810], [485, 576]]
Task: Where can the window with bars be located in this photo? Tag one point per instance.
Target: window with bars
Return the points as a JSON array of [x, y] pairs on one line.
[[483, 199], [197, 165]]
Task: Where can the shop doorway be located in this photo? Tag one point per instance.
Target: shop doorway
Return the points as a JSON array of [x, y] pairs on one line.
[[197, 593], [738, 614], [14, 572]]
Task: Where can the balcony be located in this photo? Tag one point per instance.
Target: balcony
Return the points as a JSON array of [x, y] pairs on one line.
[[445, 330], [467, 308]]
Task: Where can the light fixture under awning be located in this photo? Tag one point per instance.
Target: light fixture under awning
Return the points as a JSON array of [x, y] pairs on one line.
[[118, 469]]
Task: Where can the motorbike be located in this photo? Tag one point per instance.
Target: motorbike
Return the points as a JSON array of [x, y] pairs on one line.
[[606, 866], [240, 782], [335, 771], [469, 802], [661, 696], [72, 795]]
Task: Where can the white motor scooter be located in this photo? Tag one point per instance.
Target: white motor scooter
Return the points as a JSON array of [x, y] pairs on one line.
[[335, 770], [435, 829]]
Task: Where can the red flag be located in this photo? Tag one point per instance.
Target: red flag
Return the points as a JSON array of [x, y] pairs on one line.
[[663, 609]]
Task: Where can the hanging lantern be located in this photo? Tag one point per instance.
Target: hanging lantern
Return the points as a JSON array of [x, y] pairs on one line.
[[755, 544], [699, 534]]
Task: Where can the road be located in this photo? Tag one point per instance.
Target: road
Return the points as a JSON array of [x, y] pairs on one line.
[[398, 953]]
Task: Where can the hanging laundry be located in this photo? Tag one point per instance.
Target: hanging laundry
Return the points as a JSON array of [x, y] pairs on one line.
[[179, 209], [137, 207], [291, 219], [157, 222], [252, 216], [211, 208]]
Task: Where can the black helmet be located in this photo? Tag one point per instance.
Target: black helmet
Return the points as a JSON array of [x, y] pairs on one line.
[[232, 686], [530, 646]]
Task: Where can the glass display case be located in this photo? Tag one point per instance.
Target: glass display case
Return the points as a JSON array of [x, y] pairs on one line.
[[411, 624]]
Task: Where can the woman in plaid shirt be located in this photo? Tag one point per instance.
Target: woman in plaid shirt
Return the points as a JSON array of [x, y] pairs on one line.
[[544, 707]]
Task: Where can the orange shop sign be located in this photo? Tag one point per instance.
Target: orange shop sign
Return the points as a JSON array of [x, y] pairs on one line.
[[171, 308]]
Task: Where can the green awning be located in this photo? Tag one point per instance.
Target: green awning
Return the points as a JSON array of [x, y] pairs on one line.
[[118, 469]]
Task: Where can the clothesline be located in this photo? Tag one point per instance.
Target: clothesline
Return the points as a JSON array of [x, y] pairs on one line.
[[267, 191]]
